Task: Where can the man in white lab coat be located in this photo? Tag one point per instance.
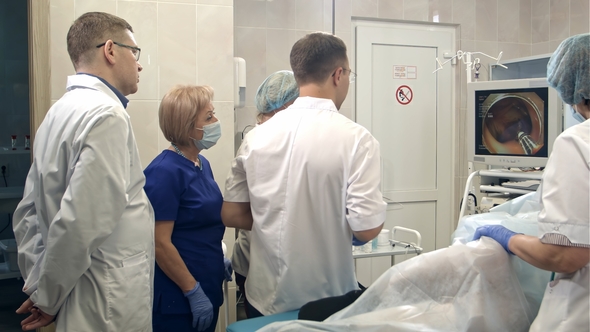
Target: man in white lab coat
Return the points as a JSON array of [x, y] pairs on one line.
[[84, 228], [305, 184]]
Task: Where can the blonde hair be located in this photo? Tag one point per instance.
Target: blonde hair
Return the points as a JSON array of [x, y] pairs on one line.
[[179, 109]]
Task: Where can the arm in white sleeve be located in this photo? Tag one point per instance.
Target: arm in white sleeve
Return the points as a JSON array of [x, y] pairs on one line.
[[365, 208], [90, 209], [236, 183], [27, 233]]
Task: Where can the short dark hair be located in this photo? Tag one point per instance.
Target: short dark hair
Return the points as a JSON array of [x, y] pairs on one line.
[[91, 29], [315, 56]]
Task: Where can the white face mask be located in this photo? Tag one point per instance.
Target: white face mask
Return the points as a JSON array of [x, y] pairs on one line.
[[211, 134], [577, 116]]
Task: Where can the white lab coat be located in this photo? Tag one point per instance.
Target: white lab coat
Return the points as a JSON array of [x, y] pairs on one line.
[[84, 228], [565, 197], [312, 177]]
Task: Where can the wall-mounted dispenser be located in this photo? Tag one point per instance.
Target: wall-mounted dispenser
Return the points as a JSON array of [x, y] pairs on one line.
[[239, 82]]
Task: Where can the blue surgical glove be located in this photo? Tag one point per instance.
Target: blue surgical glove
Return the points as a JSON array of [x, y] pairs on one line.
[[356, 242], [201, 307], [228, 269], [497, 232]]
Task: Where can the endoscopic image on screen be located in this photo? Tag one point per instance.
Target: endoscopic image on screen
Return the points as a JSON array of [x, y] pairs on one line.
[[512, 124]]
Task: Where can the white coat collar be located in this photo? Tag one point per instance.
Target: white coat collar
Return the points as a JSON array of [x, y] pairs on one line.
[[87, 81], [315, 103]]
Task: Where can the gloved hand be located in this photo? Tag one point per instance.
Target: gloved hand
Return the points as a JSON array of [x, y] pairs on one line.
[[497, 232], [356, 242], [228, 269], [201, 307]]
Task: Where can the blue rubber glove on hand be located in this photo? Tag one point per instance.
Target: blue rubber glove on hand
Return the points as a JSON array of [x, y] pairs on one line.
[[201, 307], [497, 232], [228, 269], [356, 242]]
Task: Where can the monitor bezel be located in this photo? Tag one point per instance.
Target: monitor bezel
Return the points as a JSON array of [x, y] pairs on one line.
[[554, 122]]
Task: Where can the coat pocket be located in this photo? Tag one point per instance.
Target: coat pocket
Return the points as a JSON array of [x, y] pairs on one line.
[[129, 306]]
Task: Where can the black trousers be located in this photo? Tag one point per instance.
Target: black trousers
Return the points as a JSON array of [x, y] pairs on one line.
[[321, 309]]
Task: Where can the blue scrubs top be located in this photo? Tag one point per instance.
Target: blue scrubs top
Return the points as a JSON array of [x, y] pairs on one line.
[[180, 191]]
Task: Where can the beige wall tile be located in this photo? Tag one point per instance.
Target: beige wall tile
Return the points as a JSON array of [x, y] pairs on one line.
[[559, 19], [177, 45], [141, 16], [509, 50], [216, 2], [250, 44], [144, 119], [540, 48], [508, 21], [61, 17], [540, 30], [540, 21], [107, 6], [416, 10], [250, 13], [281, 14], [486, 20], [215, 33], [178, 1], [580, 17], [540, 8], [343, 13], [393, 9], [464, 15], [365, 8], [524, 50], [310, 15], [279, 44], [442, 8], [524, 31]]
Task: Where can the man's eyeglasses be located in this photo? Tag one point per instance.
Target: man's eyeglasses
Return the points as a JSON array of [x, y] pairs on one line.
[[135, 50], [351, 77]]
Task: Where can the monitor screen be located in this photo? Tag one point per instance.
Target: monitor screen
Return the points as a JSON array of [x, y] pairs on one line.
[[512, 123]]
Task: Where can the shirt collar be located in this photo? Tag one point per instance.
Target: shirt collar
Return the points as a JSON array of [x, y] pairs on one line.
[[119, 95]]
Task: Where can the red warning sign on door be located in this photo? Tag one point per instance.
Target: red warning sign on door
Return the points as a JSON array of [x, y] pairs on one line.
[[404, 95]]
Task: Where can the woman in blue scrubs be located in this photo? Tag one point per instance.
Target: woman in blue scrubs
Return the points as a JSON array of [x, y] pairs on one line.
[[187, 203]]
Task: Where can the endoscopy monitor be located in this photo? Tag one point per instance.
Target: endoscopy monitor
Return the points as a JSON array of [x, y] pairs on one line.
[[512, 123]]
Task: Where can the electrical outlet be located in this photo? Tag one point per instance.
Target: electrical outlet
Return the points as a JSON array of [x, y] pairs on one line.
[[5, 170]]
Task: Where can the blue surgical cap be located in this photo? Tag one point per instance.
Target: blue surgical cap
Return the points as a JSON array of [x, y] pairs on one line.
[[277, 89], [568, 70]]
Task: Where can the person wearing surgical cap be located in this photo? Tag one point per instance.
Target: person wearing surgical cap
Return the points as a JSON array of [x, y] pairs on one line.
[[563, 244], [276, 93]]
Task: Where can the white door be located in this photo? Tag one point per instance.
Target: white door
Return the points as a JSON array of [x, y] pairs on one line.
[[409, 110]]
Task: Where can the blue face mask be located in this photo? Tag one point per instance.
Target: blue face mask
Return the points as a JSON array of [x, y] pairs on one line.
[[577, 116], [211, 133]]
